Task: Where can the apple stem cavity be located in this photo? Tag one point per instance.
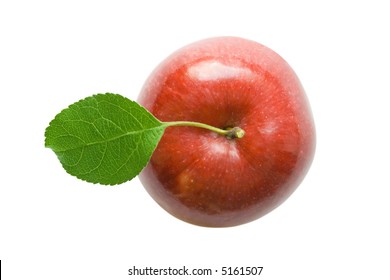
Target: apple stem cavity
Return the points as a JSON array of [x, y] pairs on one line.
[[229, 133]]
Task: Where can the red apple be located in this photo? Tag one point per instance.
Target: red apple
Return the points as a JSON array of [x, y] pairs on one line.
[[205, 178]]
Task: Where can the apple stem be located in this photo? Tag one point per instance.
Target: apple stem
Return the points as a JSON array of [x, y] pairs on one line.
[[230, 133]]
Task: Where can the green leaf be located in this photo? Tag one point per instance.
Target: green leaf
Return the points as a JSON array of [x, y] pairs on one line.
[[105, 138]]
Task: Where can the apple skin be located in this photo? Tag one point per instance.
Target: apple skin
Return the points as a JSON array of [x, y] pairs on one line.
[[204, 178]]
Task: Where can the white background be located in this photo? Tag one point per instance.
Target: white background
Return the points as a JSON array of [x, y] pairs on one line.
[[53, 226]]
